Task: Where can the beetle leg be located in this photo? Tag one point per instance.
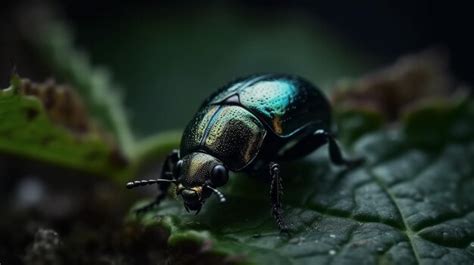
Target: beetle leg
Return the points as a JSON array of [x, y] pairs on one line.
[[166, 173], [335, 153], [276, 192]]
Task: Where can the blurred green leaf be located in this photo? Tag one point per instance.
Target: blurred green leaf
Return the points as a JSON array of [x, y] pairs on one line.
[[355, 123], [407, 204], [155, 146], [46, 122]]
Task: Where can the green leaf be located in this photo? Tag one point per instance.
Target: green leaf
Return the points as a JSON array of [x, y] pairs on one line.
[[410, 203], [155, 146], [48, 122]]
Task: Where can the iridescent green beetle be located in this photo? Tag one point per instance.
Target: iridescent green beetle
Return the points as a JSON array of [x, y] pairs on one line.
[[249, 125]]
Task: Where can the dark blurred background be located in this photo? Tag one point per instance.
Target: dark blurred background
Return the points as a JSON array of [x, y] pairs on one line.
[[168, 55]]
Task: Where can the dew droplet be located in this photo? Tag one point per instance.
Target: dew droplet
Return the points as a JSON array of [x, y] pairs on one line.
[[332, 236], [380, 249], [445, 234], [332, 252]]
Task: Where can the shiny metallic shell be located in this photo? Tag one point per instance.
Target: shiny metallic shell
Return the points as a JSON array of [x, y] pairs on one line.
[[229, 133], [233, 124], [287, 104]]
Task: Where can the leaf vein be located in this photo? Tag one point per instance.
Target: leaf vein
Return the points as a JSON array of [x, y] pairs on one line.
[[408, 232]]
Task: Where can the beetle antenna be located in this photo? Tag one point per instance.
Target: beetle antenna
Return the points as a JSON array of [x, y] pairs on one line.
[[144, 182], [218, 193]]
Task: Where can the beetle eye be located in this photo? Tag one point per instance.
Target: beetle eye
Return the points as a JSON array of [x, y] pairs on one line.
[[177, 168], [219, 176]]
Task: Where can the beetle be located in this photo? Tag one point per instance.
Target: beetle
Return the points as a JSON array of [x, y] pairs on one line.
[[249, 125]]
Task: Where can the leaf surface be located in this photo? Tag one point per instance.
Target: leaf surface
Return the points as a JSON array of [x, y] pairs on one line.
[[410, 203]]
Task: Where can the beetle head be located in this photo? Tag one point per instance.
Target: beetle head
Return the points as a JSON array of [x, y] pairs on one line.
[[198, 175]]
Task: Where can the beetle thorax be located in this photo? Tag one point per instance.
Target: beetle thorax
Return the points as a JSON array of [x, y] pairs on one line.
[[196, 169]]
